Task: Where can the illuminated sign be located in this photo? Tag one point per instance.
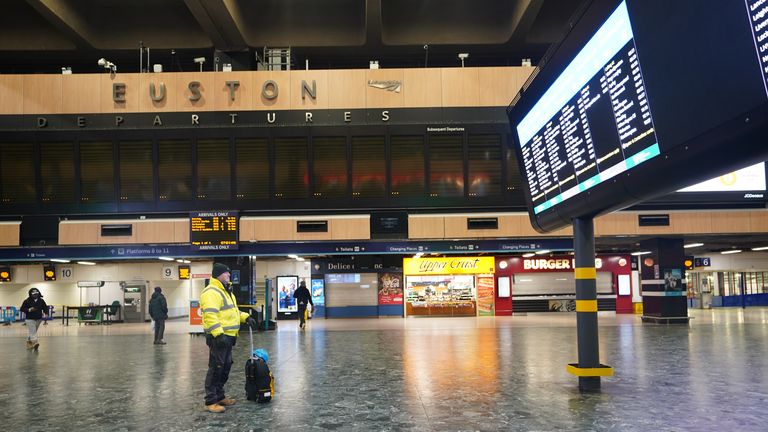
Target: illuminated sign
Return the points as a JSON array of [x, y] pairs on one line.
[[555, 264], [184, 272], [49, 273], [214, 230], [442, 266], [5, 274]]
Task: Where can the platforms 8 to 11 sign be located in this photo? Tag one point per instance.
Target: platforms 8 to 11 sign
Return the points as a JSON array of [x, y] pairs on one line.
[[214, 230]]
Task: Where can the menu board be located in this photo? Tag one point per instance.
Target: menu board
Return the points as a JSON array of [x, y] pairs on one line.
[[214, 230]]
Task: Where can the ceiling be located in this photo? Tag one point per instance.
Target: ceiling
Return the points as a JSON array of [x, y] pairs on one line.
[[44, 35]]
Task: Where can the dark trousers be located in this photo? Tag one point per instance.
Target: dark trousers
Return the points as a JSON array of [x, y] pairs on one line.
[[302, 313], [159, 330], [219, 364]]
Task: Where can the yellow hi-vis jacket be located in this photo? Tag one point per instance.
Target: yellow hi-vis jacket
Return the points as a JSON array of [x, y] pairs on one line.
[[220, 312]]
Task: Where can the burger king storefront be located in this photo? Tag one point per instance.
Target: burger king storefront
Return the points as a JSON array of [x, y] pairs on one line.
[[547, 284], [449, 286]]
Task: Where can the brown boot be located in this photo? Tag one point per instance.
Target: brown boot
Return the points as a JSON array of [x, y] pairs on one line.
[[215, 408], [30, 344], [227, 402]]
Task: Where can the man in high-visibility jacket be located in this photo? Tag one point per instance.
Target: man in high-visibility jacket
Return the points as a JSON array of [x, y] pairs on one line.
[[221, 322]]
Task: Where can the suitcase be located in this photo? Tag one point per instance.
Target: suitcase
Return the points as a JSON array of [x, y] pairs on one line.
[[259, 382]]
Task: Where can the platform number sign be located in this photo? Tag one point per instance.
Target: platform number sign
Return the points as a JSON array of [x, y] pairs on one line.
[[169, 272], [66, 273]]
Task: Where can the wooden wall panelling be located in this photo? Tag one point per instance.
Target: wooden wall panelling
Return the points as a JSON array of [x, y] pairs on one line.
[[498, 85], [74, 233], [274, 229], [358, 228], [731, 222], [154, 231], [758, 221], [691, 222], [42, 94], [168, 103], [11, 94], [346, 89], [381, 97], [284, 90], [243, 93], [10, 233], [426, 227], [181, 231], [131, 104], [460, 87], [312, 236], [321, 80], [247, 227], [81, 94], [456, 227], [422, 88], [182, 93], [616, 224]]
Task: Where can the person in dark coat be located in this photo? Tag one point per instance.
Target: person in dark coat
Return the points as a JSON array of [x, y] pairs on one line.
[[158, 310], [303, 299], [34, 307]]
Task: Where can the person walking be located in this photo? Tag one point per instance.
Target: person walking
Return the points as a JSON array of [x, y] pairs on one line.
[[221, 322], [158, 310], [303, 299], [34, 307]]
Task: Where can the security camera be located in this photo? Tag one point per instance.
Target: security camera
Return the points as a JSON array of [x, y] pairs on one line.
[[199, 60], [426, 46], [463, 56], [106, 64]]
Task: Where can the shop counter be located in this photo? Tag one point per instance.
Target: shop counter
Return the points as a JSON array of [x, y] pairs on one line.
[[457, 308]]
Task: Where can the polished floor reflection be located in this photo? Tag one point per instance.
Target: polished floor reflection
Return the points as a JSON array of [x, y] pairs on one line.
[[433, 374]]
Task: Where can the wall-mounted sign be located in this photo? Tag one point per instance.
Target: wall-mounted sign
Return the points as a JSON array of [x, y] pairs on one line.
[[454, 265], [184, 272], [5, 274], [702, 262], [169, 273], [214, 230], [66, 273], [49, 273], [90, 284]]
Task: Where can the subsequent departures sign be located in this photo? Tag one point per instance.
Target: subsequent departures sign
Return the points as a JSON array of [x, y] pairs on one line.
[[214, 230]]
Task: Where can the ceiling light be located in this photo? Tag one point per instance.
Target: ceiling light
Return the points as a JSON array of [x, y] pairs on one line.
[[528, 255], [754, 249], [300, 259], [728, 252], [179, 260], [640, 253], [166, 258], [693, 245], [542, 252], [86, 263], [59, 260], [293, 256], [186, 261]]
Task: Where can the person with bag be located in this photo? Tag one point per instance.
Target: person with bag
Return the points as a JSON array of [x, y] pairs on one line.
[[303, 299], [34, 307], [158, 310], [221, 323]]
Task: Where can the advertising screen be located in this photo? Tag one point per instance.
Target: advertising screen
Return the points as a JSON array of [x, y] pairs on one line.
[[751, 178], [318, 292], [286, 287], [641, 98]]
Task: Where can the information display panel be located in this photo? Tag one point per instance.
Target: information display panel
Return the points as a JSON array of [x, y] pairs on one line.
[[214, 230], [641, 98]]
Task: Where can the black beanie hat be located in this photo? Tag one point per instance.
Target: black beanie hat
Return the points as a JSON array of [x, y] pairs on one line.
[[158, 289], [219, 269], [34, 289]]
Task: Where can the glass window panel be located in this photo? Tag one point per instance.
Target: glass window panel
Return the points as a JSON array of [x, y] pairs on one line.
[[57, 172], [446, 166], [252, 168], [174, 170], [97, 172], [484, 165], [136, 171], [330, 166], [369, 167], [407, 154], [17, 173], [291, 173], [214, 179]]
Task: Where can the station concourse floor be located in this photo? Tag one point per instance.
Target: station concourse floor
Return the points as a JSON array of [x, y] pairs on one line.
[[394, 374]]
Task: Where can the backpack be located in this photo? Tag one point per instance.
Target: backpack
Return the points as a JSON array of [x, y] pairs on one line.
[[259, 382]]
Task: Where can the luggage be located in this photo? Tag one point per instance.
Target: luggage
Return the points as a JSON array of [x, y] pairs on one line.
[[259, 382]]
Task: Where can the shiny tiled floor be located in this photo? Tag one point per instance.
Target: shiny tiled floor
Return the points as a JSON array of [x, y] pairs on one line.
[[433, 374]]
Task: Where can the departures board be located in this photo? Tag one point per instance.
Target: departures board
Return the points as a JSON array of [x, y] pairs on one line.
[[639, 99]]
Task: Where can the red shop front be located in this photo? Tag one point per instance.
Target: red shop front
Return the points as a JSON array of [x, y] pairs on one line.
[[546, 284]]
